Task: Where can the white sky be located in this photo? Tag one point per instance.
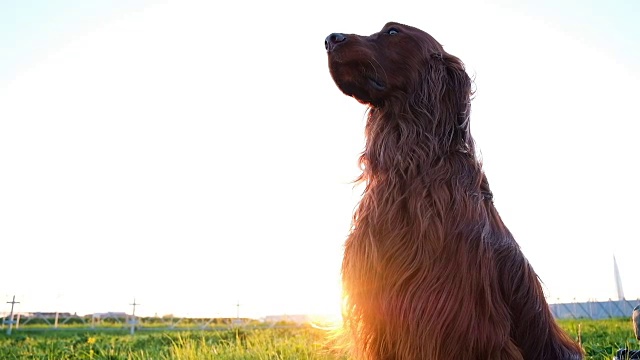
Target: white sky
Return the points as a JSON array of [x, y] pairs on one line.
[[192, 154]]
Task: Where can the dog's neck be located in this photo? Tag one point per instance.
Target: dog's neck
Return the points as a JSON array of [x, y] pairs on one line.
[[414, 144], [404, 152]]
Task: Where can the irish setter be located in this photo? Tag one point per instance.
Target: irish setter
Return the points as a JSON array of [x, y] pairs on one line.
[[430, 271]]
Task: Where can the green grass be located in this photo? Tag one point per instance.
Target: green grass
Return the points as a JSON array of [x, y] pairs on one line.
[[289, 343], [600, 339]]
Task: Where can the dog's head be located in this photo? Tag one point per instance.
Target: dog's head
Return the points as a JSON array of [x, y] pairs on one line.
[[398, 62]]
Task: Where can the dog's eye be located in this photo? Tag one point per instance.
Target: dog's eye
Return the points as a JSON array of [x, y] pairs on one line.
[[393, 31]]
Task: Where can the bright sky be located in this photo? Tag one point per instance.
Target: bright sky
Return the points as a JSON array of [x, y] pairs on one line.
[[193, 154]]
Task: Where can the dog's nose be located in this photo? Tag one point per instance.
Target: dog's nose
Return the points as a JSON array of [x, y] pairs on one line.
[[332, 40]]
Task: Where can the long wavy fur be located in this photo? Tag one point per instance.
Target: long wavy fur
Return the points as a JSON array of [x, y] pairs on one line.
[[430, 271]]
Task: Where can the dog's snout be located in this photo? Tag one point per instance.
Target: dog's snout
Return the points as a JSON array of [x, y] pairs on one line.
[[333, 40]]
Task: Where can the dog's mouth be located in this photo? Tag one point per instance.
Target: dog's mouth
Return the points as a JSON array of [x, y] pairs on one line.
[[376, 84]]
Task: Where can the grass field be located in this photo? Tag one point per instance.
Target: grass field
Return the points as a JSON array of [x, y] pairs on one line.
[[600, 339]]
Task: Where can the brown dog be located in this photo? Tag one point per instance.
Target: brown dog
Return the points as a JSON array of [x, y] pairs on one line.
[[430, 271]]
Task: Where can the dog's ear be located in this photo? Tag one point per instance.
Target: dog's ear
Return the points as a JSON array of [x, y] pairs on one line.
[[460, 83], [448, 92]]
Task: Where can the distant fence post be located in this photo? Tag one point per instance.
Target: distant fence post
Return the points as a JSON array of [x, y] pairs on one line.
[[133, 316], [10, 322]]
